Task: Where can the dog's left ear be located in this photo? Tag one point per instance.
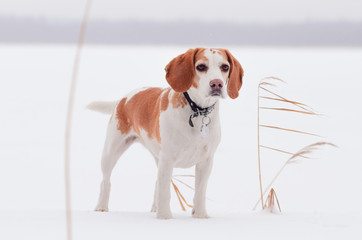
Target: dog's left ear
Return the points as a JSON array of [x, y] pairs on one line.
[[235, 76], [180, 71]]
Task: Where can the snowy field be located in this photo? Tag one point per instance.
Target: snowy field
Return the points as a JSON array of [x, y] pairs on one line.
[[320, 197]]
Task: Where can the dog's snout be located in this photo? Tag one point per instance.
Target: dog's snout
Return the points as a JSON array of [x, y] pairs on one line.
[[216, 84]]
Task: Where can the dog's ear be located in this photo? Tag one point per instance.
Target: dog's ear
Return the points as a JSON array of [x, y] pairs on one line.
[[235, 76], [180, 71]]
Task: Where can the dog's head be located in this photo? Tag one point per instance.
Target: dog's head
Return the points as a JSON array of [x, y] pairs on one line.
[[206, 71]]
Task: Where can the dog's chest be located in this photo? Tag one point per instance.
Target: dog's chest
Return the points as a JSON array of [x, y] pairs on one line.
[[185, 145], [191, 154]]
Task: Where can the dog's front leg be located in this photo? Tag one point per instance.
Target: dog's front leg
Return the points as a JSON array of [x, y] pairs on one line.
[[165, 169], [202, 173]]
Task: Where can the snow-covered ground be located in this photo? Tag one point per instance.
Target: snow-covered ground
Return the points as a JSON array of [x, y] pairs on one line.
[[320, 198]]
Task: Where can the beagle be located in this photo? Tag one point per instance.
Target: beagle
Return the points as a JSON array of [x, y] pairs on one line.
[[179, 125]]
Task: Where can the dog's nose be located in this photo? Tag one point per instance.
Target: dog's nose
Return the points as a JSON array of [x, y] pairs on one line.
[[216, 84]]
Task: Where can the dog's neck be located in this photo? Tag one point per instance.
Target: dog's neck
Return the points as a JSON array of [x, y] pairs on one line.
[[203, 102], [201, 111]]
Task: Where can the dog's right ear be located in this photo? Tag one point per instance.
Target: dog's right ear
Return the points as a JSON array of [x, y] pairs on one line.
[[180, 71]]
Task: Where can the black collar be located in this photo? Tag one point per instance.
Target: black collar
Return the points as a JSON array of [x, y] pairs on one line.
[[197, 110]]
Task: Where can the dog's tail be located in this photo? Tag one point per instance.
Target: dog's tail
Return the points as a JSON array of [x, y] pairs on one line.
[[102, 107]]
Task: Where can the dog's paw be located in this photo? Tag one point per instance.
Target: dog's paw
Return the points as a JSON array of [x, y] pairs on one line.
[[199, 214], [164, 215], [154, 208], [101, 209]]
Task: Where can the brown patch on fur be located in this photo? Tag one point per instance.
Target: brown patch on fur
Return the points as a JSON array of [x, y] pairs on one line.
[[178, 100], [200, 55], [124, 124], [164, 99], [180, 71], [143, 111], [223, 54]]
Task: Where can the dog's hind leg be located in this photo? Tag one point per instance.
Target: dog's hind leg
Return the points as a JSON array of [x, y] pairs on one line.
[[115, 145]]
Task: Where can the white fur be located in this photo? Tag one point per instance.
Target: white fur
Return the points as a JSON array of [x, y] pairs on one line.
[[181, 145], [102, 107]]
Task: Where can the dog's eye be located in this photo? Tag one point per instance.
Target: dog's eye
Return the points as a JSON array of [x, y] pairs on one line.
[[224, 68], [201, 67]]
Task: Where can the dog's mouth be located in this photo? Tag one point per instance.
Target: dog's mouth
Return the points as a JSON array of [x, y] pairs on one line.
[[216, 93]]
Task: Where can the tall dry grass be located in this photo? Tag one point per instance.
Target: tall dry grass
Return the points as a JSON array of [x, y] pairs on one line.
[[295, 107], [69, 118]]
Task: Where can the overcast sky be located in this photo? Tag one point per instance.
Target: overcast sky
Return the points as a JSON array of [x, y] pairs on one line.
[[260, 11]]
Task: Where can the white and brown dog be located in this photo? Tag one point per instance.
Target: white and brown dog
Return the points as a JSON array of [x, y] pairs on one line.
[[179, 125]]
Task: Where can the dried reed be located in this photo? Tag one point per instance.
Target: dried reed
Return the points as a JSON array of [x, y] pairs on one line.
[[301, 153], [304, 109], [180, 197], [68, 125], [270, 201]]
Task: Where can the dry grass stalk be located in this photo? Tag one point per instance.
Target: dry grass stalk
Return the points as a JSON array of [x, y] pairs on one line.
[[180, 197], [284, 100], [304, 109], [309, 149], [302, 106], [262, 82], [304, 151], [290, 110], [272, 78], [177, 191], [182, 182], [290, 130], [68, 125], [282, 151], [267, 84], [270, 201], [259, 165]]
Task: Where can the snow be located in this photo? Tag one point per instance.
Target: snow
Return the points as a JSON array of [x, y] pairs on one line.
[[320, 198], [140, 225]]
